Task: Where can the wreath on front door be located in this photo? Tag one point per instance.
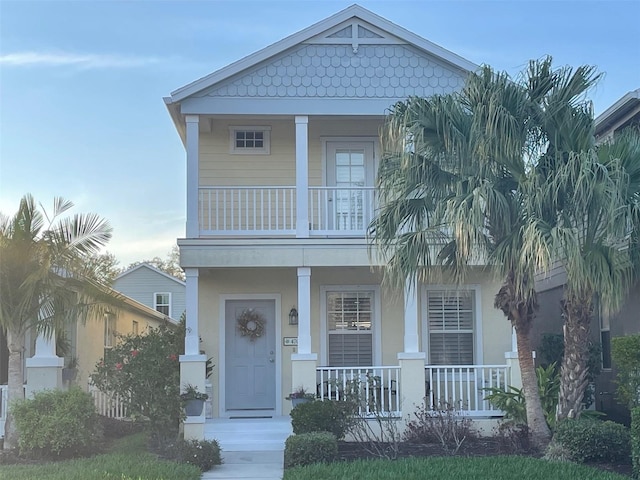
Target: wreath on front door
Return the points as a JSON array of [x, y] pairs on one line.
[[251, 324]]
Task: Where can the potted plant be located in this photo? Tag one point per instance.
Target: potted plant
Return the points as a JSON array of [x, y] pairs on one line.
[[193, 400], [300, 396]]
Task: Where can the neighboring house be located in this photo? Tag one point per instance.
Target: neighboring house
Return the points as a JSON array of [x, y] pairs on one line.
[[622, 114], [154, 288], [282, 148], [84, 344]]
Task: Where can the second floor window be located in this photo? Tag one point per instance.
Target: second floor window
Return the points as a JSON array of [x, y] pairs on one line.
[[250, 140], [162, 303], [109, 330]]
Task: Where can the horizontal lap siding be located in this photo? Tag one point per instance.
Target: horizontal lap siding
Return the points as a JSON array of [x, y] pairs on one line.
[[142, 283]]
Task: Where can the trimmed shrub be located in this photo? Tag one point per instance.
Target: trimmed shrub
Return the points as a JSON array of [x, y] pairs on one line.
[[308, 448], [625, 353], [57, 424], [593, 440], [635, 441], [204, 454], [322, 416]]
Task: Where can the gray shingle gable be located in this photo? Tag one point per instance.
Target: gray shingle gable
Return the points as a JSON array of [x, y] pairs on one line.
[[336, 71]]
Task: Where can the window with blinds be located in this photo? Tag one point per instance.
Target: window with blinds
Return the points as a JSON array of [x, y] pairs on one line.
[[450, 320], [349, 322]]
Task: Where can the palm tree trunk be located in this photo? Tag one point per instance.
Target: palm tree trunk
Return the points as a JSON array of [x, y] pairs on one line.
[[574, 371], [520, 313], [536, 421], [15, 384]]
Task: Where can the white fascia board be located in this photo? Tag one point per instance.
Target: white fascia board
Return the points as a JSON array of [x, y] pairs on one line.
[[177, 118], [609, 115], [292, 106], [316, 29]]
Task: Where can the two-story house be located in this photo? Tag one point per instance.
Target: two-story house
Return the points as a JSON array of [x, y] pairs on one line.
[[281, 155]]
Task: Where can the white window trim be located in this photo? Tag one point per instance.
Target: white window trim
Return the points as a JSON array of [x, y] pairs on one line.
[[376, 336], [478, 356], [155, 304], [265, 150], [109, 318]]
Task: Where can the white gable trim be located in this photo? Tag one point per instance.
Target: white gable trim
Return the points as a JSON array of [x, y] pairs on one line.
[[314, 30], [151, 267]]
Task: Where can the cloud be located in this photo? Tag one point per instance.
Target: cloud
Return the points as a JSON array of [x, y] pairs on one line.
[[68, 59]]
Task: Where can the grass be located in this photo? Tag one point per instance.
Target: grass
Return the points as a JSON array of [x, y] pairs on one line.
[[127, 459], [450, 468]]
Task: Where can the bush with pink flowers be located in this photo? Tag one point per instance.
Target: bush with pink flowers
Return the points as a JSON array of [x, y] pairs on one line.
[[144, 370]]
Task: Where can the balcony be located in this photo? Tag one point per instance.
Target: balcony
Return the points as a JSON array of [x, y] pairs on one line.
[[272, 211]]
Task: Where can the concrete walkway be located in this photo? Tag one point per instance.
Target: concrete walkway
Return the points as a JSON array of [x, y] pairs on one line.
[[251, 447], [265, 465]]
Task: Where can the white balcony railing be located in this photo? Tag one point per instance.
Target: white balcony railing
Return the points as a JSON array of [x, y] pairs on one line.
[[461, 387], [341, 211], [247, 210], [238, 211], [374, 388]]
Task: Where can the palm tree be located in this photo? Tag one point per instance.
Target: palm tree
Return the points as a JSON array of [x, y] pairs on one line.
[[594, 230], [42, 279], [453, 178]]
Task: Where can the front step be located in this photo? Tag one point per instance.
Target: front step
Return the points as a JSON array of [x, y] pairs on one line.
[[249, 434]]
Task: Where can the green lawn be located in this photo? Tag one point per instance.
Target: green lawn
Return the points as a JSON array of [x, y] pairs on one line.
[[450, 468], [126, 460]]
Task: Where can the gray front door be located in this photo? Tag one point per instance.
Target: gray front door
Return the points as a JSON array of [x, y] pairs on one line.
[[250, 370]]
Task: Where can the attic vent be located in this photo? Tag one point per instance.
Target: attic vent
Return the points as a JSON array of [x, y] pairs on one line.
[[344, 33], [364, 33]]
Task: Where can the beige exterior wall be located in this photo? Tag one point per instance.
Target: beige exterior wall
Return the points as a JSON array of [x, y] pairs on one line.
[[89, 345], [218, 167], [214, 283]]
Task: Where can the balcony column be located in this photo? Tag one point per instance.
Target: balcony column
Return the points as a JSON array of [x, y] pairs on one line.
[[192, 363], [302, 176], [44, 369], [303, 363], [412, 360], [193, 182], [513, 363]]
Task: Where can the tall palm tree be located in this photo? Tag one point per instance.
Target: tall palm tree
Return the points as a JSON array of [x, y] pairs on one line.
[[595, 199], [42, 279], [453, 178]]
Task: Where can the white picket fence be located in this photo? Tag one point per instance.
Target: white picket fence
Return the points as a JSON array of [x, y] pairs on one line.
[[108, 405]]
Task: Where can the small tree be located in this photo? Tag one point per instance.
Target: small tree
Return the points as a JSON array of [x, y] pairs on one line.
[[145, 372], [625, 353]]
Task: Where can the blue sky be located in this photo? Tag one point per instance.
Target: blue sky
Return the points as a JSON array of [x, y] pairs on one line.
[[81, 84]]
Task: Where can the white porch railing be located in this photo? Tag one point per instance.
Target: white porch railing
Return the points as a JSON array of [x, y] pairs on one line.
[[260, 210], [108, 405], [375, 388], [461, 387], [341, 211], [247, 210]]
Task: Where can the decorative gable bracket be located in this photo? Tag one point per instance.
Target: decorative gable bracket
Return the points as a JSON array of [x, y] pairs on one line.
[[355, 32]]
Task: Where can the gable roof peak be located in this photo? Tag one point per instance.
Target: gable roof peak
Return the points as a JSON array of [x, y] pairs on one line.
[[313, 32]]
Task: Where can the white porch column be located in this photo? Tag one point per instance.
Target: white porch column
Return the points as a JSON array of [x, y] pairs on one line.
[[302, 176], [192, 338], [512, 361], [412, 360], [304, 310], [411, 343], [44, 369], [192, 363], [303, 363], [193, 148]]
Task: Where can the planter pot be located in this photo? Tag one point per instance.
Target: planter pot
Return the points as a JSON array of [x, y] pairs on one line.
[[193, 408], [298, 401]]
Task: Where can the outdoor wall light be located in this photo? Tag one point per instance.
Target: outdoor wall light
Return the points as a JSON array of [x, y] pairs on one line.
[[293, 316]]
